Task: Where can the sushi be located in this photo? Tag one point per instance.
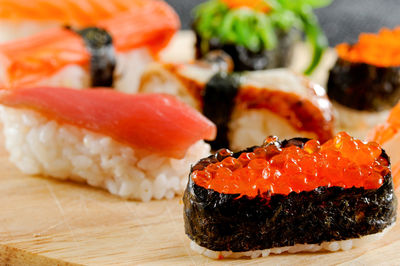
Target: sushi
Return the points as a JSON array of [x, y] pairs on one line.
[[113, 53], [185, 80], [388, 135], [289, 196], [364, 83], [250, 106], [279, 102], [257, 34], [22, 18], [135, 146]]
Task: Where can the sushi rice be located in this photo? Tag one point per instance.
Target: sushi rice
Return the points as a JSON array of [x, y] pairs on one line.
[[129, 69], [325, 246], [72, 76], [156, 79], [40, 146], [357, 123], [248, 127]]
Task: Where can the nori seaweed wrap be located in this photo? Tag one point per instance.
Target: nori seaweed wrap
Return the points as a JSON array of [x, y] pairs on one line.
[[366, 76], [102, 56], [218, 103], [363, 86], [264, 219], [258, 34], [245, 59]]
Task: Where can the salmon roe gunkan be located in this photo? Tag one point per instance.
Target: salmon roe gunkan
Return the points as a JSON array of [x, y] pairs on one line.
[[342, 161], [381, 49]]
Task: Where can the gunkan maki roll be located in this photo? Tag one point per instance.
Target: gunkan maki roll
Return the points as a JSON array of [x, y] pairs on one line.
[[258, 34], [293, 195], [364, 83]]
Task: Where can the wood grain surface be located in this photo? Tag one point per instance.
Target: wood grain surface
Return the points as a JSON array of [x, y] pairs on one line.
[[48, 222]]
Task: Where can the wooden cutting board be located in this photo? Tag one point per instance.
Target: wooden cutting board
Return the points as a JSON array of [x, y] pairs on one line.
[[47, 222]]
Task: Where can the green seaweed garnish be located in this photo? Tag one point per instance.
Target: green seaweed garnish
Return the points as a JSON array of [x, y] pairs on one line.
[[258, 31]]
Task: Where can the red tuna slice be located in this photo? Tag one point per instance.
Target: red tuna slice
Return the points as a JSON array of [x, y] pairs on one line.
[[156, 123]]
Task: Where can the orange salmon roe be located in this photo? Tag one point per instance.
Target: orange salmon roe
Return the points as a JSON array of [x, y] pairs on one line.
[[342, 161], [380, 49], [259, 5]]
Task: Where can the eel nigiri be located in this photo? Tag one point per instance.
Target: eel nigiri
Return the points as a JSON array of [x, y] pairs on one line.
[[23, 18], [248, 107], [388, 135], [364, 84], [114, 53], [295, 195], [135, 146]]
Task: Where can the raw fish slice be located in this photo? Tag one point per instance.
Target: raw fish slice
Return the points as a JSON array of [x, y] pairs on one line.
[[153, 26], [388, 136], [30, 60], [80, 13], [153, 122]]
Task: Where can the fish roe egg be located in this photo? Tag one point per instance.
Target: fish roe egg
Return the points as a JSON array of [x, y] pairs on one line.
[[343, 161]]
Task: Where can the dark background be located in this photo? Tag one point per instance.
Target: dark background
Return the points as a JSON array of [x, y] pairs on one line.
[[342, 21]]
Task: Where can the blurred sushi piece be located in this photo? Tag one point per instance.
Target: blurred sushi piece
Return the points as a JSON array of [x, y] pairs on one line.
[[22, 18], [278, 102], [247, 107], [258, 34], [135, 146], [289, 196], [365, 81], [185, 80], [388, 135], [114, 53]]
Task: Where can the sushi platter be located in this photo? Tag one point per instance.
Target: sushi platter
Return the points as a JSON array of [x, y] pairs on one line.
[[127, 141], [53, 222]]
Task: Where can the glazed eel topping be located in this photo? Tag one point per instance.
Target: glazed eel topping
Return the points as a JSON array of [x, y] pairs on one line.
[[305, 111]]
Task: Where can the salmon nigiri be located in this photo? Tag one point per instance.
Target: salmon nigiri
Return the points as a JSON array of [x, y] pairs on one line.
[[388, 135], [136, 146], [23, 18], [114, 54]]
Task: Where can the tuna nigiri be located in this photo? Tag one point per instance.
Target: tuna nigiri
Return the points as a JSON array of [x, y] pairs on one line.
[[388, 135], [113, 54], [23, 18], [135, 146]]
